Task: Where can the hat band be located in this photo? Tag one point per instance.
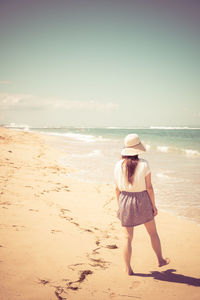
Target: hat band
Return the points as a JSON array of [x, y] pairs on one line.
[[132, 146]]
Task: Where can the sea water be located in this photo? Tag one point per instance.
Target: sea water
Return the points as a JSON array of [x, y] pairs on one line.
[[173, 154]]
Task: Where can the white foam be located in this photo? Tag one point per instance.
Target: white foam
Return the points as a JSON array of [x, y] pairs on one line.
[[94, 153], [112, 127], [164, 149], [162, 175], [190, 152], [80, 137], [173, 127], [21, 126], [148, 147], [187, 152]]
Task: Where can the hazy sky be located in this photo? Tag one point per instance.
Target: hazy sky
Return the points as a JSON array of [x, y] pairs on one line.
[[100, 63]]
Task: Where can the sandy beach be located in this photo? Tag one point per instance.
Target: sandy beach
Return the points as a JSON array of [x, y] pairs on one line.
[[60, 238]]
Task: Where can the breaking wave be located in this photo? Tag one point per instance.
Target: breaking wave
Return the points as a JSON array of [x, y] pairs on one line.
[[80, 137]]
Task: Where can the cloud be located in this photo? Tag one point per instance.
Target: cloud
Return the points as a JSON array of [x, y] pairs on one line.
[[5, 82], [10, 101], [28, 102], [84, 105]]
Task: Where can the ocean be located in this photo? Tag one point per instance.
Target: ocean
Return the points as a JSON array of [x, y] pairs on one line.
[[173, 154]]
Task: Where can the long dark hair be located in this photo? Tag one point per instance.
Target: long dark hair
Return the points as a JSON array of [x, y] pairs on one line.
[[130, 163]]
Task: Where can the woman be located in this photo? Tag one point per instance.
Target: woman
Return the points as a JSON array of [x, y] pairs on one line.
[[135, 196]]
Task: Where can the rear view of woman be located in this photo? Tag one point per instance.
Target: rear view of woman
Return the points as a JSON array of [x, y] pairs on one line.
[[135, 197]]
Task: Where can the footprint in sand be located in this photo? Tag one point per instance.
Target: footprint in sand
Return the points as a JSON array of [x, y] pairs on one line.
[[135, 284], [59, 290], [5, 203], [67, 218], [64, 209], [71, 267], [55, 230], [75, 223], [82, 277], [70, 219], [111, 246], [43, 281], [28, 186], [18, 227], [95, 250], [113, 295], [31, 209], [106, 236], [36, 195], [64, 187], [45, 191], [99, 262], [98, 242], [87, 230], [95, 228]]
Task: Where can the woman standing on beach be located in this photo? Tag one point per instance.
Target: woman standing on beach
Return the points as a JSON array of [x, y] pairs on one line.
[[135, 196]]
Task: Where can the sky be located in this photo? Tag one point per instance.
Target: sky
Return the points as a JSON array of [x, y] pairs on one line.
[[100, 63]]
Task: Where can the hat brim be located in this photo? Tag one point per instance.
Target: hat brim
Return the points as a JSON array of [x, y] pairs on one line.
[[131, 151]]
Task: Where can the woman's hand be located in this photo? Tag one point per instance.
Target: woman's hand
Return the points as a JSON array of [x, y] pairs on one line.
[[155, 211]]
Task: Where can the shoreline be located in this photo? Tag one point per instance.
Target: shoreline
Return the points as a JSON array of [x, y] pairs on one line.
[[52, 139], [63, 240]]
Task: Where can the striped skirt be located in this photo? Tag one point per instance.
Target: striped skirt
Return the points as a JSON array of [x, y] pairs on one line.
[[135, 208]]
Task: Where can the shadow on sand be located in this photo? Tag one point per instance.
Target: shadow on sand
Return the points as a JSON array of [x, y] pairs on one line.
[[169, 276]]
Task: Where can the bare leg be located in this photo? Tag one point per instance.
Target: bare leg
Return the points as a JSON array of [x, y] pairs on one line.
[[155, 241], [128, 249]]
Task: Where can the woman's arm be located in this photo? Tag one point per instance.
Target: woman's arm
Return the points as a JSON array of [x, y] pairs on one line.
[[117, 191], [150, 191]]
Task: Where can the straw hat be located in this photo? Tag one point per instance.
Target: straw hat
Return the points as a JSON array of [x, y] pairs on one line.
[[132, 145]]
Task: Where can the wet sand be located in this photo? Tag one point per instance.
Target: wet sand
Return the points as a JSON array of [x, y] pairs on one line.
[[60, 238]]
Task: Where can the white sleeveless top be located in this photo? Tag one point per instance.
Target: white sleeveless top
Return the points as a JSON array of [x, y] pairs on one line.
[[139, 184]]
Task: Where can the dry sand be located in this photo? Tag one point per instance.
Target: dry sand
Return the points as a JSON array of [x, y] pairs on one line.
[[60, 238]]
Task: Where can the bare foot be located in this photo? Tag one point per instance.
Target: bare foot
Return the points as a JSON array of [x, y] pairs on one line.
[[129, 271], [164, 262]]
